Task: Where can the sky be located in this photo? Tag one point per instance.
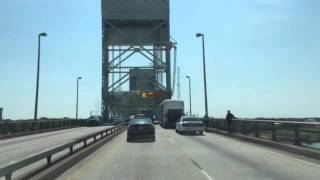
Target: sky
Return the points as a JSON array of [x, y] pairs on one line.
[[262, 56]]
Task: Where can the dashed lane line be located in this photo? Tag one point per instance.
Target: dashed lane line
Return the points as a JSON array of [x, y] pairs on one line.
[[201, 170]]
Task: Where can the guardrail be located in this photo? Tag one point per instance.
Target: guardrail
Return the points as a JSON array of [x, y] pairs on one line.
[[14, 127], [295, 132], [10, 169]]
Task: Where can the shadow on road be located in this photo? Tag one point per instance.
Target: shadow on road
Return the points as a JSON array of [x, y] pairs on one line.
[[191, 134], [141, 141]]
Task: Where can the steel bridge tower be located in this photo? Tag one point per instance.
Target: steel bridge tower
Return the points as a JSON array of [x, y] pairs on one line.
[[131, 27]]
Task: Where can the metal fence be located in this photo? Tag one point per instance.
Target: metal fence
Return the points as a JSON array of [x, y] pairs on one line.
[[292, 132], [47, 155], [13, 127]]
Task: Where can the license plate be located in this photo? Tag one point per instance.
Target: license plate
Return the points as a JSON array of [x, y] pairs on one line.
[[141, 127]]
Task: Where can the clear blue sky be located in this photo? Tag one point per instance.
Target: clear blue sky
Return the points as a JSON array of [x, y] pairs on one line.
[[263, 56]]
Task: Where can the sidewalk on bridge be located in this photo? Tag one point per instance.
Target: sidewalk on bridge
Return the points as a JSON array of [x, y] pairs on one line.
[[297, 150], [13, 135]]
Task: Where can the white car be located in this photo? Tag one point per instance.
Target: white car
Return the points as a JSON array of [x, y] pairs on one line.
[[190, 124]]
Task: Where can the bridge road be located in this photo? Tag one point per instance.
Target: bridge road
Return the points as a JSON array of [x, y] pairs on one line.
[[15, 149], [176, 157]]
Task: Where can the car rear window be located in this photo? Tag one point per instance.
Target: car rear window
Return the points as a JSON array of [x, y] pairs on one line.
[[191, 119], [141, 120]]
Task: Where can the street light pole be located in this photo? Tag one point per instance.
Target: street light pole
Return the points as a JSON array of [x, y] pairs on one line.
[[190, 102], [77, 100], [204, 74], [38, 74]]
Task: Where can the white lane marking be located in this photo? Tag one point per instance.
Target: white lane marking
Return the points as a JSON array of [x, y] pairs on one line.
[[206, 174], [201, 170], [171, 140]]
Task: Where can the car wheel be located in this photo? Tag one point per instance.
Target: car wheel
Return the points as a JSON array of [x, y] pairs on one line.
[[201, 132]]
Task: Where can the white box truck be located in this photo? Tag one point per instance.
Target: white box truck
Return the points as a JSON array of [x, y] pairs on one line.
[[169, 112]]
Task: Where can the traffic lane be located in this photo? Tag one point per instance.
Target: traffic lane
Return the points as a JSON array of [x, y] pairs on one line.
[[174, 156], [229, 158], [15, 149], [138, 160]]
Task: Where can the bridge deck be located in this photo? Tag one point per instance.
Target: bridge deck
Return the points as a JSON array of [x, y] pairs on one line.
[[178, 157]]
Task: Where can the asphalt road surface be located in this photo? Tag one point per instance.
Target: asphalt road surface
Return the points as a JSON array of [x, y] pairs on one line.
[[177, 157], [15, 149]]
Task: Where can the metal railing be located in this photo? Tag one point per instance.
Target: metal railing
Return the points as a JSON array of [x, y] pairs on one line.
[[293, 132], [48, 154], [14, 127]]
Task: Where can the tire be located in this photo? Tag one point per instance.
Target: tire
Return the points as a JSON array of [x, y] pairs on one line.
[[201, 132], [165, 125]]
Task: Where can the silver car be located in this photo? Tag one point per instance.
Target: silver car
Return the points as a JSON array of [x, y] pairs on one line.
[[190, 124]]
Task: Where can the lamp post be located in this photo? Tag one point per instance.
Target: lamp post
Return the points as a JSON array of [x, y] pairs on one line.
[[190, 102], [77, 100], [38, 74], [204, 75]]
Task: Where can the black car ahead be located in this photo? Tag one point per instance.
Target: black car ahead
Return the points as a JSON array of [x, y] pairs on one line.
[[93, 121], [141, 129]]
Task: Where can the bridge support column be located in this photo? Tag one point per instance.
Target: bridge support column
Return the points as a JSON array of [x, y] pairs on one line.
[[168, 70], [105, 77]]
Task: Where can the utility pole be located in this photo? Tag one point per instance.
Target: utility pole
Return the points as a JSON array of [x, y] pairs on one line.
[[204, 75], [38, 76], [190, 102], [178, 83], [77, 100]]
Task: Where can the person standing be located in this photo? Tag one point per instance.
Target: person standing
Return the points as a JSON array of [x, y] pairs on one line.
[[229, 118]]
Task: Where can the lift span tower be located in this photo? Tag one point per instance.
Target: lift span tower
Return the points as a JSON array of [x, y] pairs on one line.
[[132, 31]]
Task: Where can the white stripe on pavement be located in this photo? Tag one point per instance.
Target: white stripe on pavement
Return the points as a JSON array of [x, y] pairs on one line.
[[206, 174]]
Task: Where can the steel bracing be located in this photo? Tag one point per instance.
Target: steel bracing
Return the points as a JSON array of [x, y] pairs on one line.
[[115, 56]]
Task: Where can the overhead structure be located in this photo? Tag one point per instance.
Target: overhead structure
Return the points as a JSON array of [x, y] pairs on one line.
[[131, 28], [178, 84], [141, 79]]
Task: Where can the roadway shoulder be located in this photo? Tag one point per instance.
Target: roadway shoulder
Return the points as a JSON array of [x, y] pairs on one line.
[[297, 150]]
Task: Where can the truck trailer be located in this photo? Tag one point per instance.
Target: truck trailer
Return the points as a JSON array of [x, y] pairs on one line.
[[169, 112]]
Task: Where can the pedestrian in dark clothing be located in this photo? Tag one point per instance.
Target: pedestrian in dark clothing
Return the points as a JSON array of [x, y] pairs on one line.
[[229, 118]]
